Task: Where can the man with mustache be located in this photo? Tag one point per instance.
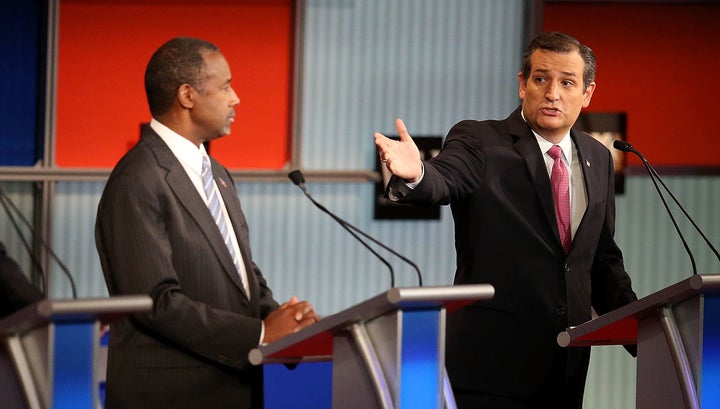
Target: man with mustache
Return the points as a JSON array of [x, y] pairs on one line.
[[170, 225]]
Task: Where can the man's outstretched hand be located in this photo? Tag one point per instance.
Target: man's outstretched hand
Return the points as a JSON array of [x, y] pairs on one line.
[[401, 158]]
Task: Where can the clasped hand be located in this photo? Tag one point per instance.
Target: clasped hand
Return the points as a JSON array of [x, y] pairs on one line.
[[291, 317]]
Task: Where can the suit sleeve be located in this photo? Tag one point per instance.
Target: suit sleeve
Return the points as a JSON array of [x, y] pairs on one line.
[[455, 172]]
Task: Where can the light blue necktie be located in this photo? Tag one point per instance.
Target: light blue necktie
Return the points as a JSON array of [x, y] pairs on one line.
[[213, 196]]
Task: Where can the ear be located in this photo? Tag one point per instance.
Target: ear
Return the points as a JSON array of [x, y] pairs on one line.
[[521, 84], [185, 95], [588, 94]]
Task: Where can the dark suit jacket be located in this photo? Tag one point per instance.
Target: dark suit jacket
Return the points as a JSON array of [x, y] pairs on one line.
[[494, 176], [16, 291], [155, 236]]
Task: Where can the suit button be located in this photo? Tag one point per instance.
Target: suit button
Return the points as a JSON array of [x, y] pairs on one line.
[[560, 311], [567, 268]]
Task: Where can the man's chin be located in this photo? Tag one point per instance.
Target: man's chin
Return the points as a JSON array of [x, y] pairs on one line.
[[553, 125], [212, 138]]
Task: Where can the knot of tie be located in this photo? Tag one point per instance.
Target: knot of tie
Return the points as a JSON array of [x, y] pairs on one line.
[[205, 166], [555, 152]]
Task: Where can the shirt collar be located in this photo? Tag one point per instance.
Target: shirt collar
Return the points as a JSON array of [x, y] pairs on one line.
[[545, 145], [185, 151]]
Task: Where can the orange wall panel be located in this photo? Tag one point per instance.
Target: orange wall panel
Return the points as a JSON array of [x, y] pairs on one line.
[[658, 63], [104, 47]]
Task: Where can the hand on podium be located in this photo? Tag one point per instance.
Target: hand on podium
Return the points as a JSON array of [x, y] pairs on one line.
[[291, 317]]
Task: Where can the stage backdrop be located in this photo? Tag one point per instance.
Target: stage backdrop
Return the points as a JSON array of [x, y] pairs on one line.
[[656, 62], [104, 46]]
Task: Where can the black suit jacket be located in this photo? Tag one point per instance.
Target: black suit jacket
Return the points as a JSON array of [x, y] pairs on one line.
[[16, 291], [494, 176], [155, 236]]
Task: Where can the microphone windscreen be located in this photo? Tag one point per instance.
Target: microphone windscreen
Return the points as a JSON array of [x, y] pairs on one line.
[[622, 146], [297, 177]]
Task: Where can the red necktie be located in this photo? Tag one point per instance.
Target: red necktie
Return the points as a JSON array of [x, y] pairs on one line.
[[560, 181]]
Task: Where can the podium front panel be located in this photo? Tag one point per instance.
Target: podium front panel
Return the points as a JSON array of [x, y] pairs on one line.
[[406, 352], [710, 386], [387, 352], [658, 382], [10, 387], [50, 350], [75, 385], [422, 359]]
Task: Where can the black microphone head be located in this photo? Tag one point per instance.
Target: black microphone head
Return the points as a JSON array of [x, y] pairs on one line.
[[297, 177], [623, 146]]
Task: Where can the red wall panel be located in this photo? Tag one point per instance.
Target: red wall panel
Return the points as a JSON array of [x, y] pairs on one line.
[[104, 46], [658, 63]]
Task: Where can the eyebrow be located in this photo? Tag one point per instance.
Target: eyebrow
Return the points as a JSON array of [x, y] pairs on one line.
[[545, 71]]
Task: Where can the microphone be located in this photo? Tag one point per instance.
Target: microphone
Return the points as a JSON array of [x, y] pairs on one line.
[[8, 205], [626, 147], [298, 179]]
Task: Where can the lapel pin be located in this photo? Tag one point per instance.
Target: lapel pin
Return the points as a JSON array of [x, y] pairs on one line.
[[222, 181], [587, 162]]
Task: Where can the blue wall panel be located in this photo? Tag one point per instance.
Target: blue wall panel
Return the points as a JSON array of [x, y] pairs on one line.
[[20, 71]]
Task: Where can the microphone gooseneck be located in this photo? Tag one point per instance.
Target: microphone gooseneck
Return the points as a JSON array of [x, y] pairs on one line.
[[655, 177], [9, 208], [298, 179], [626, 147], [697, 228]]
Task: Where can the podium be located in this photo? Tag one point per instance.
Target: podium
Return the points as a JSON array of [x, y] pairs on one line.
[[386, 352], [677, 332], [50, 351]]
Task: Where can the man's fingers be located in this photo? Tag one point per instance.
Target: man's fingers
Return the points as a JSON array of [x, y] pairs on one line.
[[293, 301], [380, 139], [402, 130]]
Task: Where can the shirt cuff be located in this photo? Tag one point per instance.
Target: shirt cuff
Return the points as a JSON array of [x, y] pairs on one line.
[[412, 185]]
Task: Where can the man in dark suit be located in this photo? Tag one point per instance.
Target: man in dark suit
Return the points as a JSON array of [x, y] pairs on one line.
[[16, 291], [496, 175], [158, 233]]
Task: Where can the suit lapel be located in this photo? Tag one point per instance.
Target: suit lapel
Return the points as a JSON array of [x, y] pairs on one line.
[[590, 165], [232, 204], [583, 151], [189, 198], [527, 147]]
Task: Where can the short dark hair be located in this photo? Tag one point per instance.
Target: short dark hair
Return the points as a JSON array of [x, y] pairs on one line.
[[560, 43], [178, 61]]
